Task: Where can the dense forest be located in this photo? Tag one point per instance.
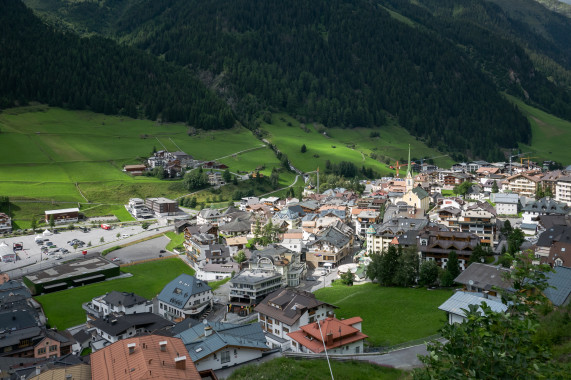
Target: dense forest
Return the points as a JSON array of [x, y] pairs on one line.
[[336, 62], [437, 66], [61, 69]]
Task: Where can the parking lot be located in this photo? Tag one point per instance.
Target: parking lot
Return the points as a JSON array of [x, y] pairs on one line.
[[99, 238]]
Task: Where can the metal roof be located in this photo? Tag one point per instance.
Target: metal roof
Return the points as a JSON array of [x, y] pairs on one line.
[[461, 300], [560, 285]]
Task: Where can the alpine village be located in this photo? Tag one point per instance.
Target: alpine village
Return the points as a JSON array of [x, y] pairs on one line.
[[279, 189]]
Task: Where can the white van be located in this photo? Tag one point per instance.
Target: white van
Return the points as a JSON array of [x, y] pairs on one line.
[[125, 235]]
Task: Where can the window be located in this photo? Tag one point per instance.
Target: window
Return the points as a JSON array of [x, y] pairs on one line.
[[286, 330], [41, 350], [225, 357], [53, 348]]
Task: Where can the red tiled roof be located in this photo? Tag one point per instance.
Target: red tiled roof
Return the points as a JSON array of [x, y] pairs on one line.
[[343, 333], [146, 362]]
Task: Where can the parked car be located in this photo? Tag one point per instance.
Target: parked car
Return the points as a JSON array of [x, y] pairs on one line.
[[116, 259], [49, 244]]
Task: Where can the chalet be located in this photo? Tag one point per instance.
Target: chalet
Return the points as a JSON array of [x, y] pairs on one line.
[[217, 345], [135, 170], [522, 184], [484, 280], [379, 236], [454, 179], [337, 336], [183, 297], [479, 219], [544, 206], [437, 245], [209, 216], [329, 248], [116, 302], [286, 310], [66, 215]]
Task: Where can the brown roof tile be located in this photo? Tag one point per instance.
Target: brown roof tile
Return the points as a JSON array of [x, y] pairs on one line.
[[147, 361]]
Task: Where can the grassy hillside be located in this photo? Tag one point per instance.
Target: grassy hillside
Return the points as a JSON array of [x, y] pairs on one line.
[[284, 368], [354, 145], [551, 136], [51, 154]]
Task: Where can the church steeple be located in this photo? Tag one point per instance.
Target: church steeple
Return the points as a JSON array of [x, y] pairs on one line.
[[409, 180]]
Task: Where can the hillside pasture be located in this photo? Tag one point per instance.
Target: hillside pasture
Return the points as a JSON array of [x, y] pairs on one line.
[[551, 136], [353, 145], [48, 151]]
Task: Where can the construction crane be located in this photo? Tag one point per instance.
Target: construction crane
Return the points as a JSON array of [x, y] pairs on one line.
[[397, 166], [525, 158], [516, 155]]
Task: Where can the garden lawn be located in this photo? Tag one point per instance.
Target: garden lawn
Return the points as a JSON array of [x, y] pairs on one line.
[[176, 240], [63, 309], [390, 315], [285, 369]]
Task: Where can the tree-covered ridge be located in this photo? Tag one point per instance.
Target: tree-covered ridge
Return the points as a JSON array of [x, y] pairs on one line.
[[336, 62], [497, 44], [38, 63]]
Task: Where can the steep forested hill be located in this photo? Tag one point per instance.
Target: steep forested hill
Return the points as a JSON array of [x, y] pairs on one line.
[[353, 63], [40, 64]]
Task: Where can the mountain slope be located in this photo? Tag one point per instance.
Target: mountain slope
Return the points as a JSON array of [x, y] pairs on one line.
[[349, 63], [38, 63]]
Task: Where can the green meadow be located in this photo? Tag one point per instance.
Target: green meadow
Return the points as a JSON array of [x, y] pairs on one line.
[[49, 154], [551, 136], [353, 145], [147, 280], [390, 315]]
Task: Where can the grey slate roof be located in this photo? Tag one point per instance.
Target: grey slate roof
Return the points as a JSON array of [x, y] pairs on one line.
[[332, 236], [16, 320], [292, 304], [505, 198], [546, 206], [484, 276], [396, 225], [14, 287], [461, 300], [560, 280], [117, 324], [178, 291], [553, 234], [125, 299], [237, 225], [223, 335]]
